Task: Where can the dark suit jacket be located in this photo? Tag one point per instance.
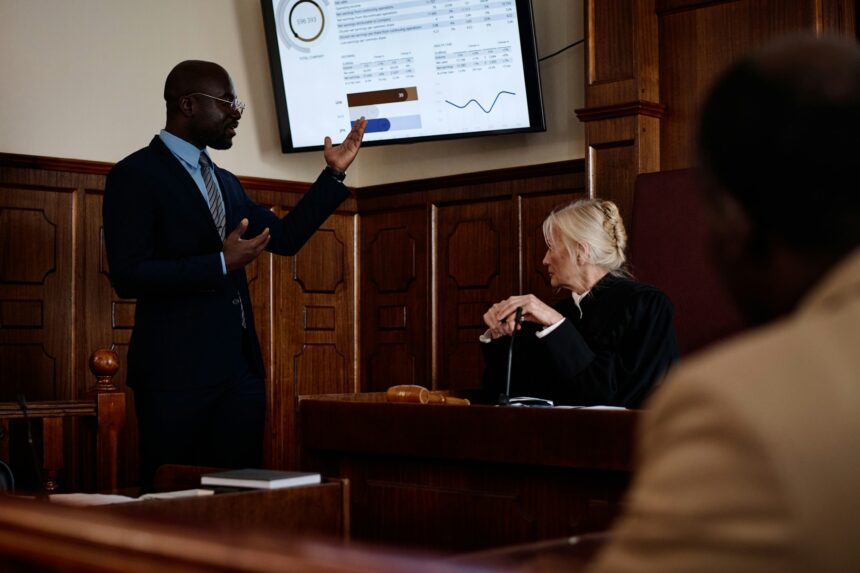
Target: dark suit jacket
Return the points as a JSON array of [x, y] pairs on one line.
[[164, 250], [613, 354]]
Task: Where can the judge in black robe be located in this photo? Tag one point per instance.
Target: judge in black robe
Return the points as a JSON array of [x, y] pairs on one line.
[[608, 344]]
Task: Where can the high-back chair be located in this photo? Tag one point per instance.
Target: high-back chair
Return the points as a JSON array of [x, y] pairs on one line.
[[668, 249]]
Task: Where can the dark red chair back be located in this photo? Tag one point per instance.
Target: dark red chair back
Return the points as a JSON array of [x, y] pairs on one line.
[[668, 250]]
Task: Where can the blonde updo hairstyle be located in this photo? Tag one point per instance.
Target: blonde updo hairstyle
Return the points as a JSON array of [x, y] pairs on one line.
[[596, 225]]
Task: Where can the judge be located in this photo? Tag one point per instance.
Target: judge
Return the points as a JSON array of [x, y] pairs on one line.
[[608, 343]]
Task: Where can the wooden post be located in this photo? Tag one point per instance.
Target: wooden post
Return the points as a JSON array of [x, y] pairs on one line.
[[52, 452], [110, 412], [622, 97]]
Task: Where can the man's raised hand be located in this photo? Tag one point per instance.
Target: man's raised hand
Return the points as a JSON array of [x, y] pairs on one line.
[[340, 157]]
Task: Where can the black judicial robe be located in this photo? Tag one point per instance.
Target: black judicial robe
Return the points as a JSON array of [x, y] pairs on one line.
[[613, 354]]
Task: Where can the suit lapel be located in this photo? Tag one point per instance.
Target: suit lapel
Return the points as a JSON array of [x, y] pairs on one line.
[[187, 191]]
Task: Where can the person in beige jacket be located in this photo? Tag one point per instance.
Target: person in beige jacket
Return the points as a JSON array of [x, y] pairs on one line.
[[749, 454]]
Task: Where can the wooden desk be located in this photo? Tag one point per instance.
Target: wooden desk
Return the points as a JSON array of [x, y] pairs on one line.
[[458, 479], [37, 536], [320, 510]]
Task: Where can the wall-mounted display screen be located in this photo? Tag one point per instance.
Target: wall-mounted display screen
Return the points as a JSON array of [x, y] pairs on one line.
[[416, 69]]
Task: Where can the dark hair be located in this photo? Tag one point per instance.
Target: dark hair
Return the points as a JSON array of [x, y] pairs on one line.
[[779, 131]]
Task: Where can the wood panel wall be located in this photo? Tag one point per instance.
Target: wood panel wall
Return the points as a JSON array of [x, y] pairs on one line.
[[475, 239], [650, 62], [57, 304], [436, 254]]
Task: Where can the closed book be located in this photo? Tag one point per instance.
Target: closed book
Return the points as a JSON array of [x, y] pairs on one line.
[[177, 494], [260, 479]]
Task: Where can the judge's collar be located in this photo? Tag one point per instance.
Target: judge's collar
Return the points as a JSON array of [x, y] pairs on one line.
[[577, 298]]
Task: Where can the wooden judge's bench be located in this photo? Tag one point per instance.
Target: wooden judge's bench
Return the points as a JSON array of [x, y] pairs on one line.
[[465, 478], [427, 488]]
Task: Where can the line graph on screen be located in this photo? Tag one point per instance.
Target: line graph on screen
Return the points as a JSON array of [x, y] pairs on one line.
[[477, 103]]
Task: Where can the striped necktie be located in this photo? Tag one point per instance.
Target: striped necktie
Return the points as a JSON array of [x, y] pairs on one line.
[[216, 203]]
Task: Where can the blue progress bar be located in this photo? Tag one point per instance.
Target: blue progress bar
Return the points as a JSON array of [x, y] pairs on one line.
[[380, 124], [377, 124]]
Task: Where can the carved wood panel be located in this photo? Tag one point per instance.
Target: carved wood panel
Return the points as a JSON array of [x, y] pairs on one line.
[[699, 39], [312, 338], [304, 307], [611, 174], [472, 507], [477, 266], [395, 327], [36, 271]]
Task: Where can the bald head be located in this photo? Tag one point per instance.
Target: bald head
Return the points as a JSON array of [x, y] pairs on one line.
[[191, 76]]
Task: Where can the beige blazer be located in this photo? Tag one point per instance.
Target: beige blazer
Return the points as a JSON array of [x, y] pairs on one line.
[[749, 454]]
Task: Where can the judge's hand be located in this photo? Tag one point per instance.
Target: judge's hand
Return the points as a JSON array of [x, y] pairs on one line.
[[238, 252], [500, 319], [340, 157]]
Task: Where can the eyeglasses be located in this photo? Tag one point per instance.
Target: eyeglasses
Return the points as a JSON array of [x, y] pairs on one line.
[[235, 104]]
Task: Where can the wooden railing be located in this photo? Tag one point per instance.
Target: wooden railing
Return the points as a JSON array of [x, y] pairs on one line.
[[105, 404]]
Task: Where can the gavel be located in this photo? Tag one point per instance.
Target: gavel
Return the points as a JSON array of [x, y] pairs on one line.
[[421, 395]]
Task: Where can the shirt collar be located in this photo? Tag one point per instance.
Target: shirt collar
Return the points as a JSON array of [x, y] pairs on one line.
[[577, 298], [186, 152]]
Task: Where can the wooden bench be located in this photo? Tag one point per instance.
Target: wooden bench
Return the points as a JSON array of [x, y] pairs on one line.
[[105, 405]]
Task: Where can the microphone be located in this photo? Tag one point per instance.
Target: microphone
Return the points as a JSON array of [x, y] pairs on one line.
[[503, 399], [22, 403]]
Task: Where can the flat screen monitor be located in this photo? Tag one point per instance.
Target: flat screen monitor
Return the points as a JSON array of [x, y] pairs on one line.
[[418, 70]]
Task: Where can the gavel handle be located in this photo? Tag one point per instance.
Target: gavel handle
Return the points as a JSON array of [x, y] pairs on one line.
[[451, 400], [437, 397]]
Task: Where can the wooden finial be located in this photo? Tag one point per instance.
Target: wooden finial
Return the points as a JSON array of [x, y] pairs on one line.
[[104, 364]]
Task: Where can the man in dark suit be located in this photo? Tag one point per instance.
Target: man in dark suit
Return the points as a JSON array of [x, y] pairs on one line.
[[179, 231]]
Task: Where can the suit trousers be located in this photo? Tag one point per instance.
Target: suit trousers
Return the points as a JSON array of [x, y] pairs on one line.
[[219, 426]]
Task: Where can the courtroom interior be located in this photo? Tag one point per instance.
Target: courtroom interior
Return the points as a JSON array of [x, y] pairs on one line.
[[391, 293]]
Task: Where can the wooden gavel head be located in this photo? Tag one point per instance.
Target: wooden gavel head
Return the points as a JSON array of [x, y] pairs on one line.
[[408, 393]]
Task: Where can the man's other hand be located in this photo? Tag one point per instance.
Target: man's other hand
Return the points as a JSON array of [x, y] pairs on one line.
[[238, 252]]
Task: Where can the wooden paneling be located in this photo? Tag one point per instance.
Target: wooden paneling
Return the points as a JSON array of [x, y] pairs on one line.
[[611, 171], [36, 265], [610, 62], [477, 266], [700, 39], [467, 478], [267, 535], [649, 63], [57, 304], [305, 306], [436, 254], [622, 97], [309, 332], [395, 340]]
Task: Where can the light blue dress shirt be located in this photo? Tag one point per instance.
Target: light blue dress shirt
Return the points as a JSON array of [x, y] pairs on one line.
[[189, 157]]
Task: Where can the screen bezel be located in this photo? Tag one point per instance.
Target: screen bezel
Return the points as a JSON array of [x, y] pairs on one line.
[[531, 77]]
